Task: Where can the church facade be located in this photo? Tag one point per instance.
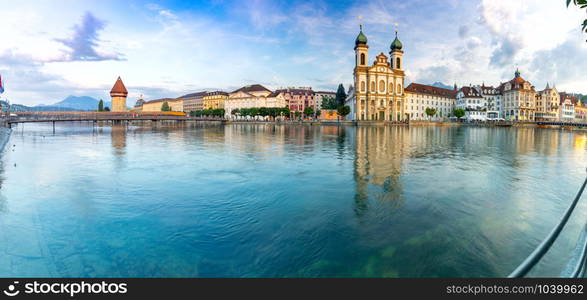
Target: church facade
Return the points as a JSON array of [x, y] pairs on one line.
[[378, 93]]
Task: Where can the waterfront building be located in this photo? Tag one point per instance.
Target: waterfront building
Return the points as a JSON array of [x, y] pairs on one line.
[[471, 100], [421, 96], [567, 107], [378, 93], [193, 101], [214, 100], [118, 95], [547, 104], [155, 105], [492, 99], [251, 96], [519, 97], [581, 111], [297, 99]]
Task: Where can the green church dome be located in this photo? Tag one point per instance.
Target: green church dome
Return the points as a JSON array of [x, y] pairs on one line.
[[361, 38], [396, 44]]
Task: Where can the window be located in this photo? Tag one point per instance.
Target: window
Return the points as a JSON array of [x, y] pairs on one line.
[[362, 86], [391, 89], [381, 86], [373, 86], [397, 63], [362, 58], [399, 88]]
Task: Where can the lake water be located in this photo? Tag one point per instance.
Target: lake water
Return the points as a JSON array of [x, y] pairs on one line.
[[286, 201]]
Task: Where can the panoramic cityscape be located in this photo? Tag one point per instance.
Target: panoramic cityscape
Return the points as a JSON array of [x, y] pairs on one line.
[[293, 139]]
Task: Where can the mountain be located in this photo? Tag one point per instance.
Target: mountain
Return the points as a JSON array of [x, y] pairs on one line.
[[442, 85], [75, 103]]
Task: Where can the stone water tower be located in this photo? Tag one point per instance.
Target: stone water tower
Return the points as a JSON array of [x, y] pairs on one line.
[[118, 94]]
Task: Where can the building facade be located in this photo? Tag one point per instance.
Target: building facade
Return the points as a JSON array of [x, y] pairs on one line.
[[420, 96], [251, 96], [214, 100], [379, 88], [472, 102], [297, 99], [547, 104], [118, 95], [519, 98], [157, 104], [567, 107], [193, 101]]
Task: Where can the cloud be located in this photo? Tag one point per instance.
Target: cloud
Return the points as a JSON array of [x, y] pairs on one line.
[[83, 44]]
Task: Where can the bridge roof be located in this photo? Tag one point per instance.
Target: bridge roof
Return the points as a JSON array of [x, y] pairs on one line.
[[119, 87]]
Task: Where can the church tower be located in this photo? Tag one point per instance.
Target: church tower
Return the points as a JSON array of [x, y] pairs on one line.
[[118, 94], [396, 54]]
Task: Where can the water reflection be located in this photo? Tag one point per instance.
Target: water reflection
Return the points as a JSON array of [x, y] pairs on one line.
[[275, 200]]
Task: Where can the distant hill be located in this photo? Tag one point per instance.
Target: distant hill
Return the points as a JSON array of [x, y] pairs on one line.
[[74, 103], [442, 85]]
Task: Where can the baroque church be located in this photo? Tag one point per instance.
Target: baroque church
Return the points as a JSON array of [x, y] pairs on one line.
[[378, 93]]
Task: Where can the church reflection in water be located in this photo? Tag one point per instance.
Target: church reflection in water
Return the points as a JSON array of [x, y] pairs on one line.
[[379, 152]]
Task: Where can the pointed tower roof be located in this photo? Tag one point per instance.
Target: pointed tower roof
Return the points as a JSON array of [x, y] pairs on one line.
[[547, 86], [119, 88]]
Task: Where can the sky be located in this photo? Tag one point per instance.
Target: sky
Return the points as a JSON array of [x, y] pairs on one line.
[[51, 49]]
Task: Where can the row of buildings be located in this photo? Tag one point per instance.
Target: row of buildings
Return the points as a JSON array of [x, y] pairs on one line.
[[250, 96], [379, 95]]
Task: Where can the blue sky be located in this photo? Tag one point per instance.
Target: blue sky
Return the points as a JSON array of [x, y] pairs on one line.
[[52, 49]]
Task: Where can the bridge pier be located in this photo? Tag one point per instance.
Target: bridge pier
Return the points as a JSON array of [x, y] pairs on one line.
[[53, 127]]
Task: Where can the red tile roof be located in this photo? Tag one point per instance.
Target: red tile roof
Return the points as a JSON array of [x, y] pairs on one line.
[[119, 88], [430, 90]]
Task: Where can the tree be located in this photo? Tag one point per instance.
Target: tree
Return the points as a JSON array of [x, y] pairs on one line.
[[101, 105], [318, 113], [459, 113], [430, 111], [286, 112], [165, 106], [297, 114], [328, 102], [106, 108], [343, 110], [235, 111], [582, 4], [340, 95], [308, 111]]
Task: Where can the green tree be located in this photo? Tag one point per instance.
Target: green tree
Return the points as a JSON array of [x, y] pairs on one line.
[[582, 4], [235, 111], [308, 111], [101, 105], [343, 110], [340, 95], [297, 114], [328, 102], [430, 111], [286, 112], [459, 113], [106, 108], [165, 106], [318, 113]]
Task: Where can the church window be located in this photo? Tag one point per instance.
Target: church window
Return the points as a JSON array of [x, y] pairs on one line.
[[381, 86], [373, 86], [397, 63], [362, 86], [390, 88], [362, 58]]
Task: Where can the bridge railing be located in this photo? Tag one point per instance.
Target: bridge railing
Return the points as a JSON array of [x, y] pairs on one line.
[[542, 249]]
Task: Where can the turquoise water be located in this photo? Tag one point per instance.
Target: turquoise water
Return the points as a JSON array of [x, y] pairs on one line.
[[282, 201]]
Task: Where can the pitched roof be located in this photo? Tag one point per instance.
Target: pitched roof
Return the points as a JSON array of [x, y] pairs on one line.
[[430, 90], [470, 92], [564, 96], [194, 95], [162, 100], [119, 87], [253, 88]]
